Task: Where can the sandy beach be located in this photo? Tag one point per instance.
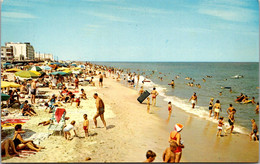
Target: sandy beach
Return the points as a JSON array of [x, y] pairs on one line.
[[131, 132]]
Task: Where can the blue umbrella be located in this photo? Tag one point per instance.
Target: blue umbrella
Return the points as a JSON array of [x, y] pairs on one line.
[[7, 64], [59, 72], [48, 68], [74, 65]]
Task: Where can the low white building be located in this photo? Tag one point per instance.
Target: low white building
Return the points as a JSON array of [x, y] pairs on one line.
[[43, 56]]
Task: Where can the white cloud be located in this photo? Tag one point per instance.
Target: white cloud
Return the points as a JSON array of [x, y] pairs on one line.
[[229, 10], [142, 9], [17, 15], [110, 17]]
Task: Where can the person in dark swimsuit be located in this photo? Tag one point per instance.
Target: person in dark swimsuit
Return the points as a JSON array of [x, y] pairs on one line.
[[21, 144]]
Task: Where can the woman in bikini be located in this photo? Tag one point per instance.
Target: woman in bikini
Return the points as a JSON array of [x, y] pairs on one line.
[[175, 136], [21, 144], [154, 94], [217, 109]]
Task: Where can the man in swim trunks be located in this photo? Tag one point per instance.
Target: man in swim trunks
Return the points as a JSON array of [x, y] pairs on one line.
[[193, 99], [231, 121], [33, 91], [257, 108], [230, 108], [141, 91], [100, 80], [169, 154], [172, 84], [100, 110]]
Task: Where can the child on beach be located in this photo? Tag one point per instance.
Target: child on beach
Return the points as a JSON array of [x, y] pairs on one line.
[[150, 156], [220, 124], [148, 105], [170, 108], [67, 130], [254, 130], [85, 124], [211, 106]]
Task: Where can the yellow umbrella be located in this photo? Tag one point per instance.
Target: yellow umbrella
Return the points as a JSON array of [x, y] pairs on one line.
[[76, 68], [5, 84], [13, 70], [62, 69], [37, 73], [67, 71]]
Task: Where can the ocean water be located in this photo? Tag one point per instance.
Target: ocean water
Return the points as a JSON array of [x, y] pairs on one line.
[[221, 77]]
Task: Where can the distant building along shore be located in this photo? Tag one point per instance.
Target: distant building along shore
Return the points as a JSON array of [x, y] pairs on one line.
[[22, 51]]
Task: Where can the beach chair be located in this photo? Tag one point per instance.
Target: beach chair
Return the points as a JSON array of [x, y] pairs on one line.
[[58, 120]]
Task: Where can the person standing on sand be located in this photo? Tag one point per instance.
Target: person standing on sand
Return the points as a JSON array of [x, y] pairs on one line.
[[170, 108], [148, 105], [254, 130], [169, 153], [85, 125], [220, 124], [176, 137], [150, 156], [76, 81], [211, 104], [100, 80], [231, 121], [33, 91], [154, 94], [217, 109], [194, 100], [100, 110]]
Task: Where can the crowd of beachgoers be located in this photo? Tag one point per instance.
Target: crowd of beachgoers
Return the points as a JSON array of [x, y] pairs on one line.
[[22, 88]]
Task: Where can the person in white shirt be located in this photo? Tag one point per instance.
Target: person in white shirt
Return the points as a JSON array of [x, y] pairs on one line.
[[67, 130]]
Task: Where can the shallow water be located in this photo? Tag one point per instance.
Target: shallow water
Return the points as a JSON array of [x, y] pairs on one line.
[[221, 77]]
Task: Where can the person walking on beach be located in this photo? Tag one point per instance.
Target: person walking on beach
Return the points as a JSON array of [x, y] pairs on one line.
[[231, 121], [220, 124], [169, 153], [33, 91], [100, 80], [150, 156], [172, 84], [254, 130], [85, 125], [194, 100], [176, 137], [100, 110], [76, 81], [217, 109], [154, 94], [211, 104]]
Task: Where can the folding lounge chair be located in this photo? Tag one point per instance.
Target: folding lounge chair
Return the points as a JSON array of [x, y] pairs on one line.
[[58, 119]]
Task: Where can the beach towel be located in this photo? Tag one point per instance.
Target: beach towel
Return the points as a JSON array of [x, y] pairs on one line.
[[58, 114], [12, 122], [38, 137]]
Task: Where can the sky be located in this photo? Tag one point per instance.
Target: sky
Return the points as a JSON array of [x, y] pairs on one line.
[[136, 30]]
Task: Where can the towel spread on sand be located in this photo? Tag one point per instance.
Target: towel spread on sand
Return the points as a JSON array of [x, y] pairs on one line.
[[58, 114], [38, 137], [12, 122]]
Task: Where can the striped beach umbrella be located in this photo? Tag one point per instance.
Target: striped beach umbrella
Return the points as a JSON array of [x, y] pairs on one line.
[[26, 74]]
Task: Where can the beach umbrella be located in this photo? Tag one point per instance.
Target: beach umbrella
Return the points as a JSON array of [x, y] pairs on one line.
[[62, 69], [5, 64], [26, 74], [13, 70], [35, 68], [4, 97], [47, 68], [82, 66], [19, 64], [67, 71], [59, 73], [75, 65], [6, 84], [37, 73], [76, 68]]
